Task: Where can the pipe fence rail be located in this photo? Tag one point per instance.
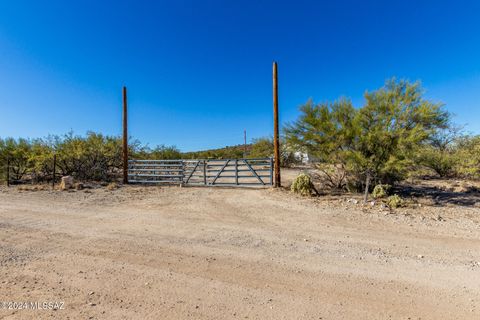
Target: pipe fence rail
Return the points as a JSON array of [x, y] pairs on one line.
[[203, 172]]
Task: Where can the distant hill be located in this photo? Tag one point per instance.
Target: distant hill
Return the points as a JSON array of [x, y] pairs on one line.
[[236, 151]]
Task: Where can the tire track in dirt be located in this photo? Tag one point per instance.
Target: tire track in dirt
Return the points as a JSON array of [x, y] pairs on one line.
[[198, 253]]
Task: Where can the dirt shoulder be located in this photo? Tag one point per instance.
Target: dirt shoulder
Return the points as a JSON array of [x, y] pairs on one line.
[[207, 253]]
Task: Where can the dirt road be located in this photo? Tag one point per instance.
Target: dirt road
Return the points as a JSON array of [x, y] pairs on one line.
[[176, 253]]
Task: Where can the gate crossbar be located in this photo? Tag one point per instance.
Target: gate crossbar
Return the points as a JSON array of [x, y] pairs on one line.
[[203, 172]]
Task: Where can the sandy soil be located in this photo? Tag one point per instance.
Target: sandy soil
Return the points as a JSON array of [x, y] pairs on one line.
[[207, 253]]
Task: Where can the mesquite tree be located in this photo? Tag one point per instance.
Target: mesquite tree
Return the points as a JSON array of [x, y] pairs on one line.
[[375, 143]]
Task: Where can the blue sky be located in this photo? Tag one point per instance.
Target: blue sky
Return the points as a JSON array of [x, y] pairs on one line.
[[199, 72]]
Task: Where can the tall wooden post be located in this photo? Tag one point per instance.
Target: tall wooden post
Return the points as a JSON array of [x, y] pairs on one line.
[[54, 169], [205, 172], [125, 137], [236, 171], [276, 139]]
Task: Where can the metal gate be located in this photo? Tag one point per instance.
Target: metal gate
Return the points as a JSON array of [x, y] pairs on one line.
[[205, 172]]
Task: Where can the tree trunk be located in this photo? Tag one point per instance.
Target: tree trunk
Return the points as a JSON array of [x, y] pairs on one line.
[[367, 186]]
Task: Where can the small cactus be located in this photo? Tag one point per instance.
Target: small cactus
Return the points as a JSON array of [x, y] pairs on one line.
[[380, 191], [303, 185], [395, 201]]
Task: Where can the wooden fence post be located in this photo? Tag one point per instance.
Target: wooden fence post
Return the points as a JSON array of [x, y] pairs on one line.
[[54, 170], [236, 171], [276, 139], [205, 172], [271, 171], [367, 186], [125, 137]]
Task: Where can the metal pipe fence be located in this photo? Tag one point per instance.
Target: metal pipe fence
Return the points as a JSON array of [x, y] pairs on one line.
[[203, 172]]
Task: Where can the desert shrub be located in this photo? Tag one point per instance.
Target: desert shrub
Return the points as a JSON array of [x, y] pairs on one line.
[[29, 159], [440, 152], [468, 157], [18, 152], [160, 152], [381, 191], [228, 152], [94, 157], [395, 201], [333, 176], [91, 157], [303, 185], [376, 142], [41, 160], [261, 148], [442, 162], [166, 152]]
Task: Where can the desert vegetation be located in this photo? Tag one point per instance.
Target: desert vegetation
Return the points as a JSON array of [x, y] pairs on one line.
[[99, 157], [395, 135], [91, 157], [109, 243]]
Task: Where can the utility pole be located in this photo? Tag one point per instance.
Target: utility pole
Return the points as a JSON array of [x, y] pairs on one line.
[[125, 137], [244, 143], [276, 141]]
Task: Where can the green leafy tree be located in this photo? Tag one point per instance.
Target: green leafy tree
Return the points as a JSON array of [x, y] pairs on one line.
[[375, 142], [394, 122], [326, 131]]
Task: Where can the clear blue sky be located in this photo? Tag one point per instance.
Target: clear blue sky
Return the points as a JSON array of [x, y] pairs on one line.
[[199, 72]]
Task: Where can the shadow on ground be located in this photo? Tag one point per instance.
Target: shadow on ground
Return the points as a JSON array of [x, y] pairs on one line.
[[439, 196]]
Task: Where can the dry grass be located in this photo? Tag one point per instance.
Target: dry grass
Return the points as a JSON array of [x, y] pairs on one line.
[[112, 186]]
